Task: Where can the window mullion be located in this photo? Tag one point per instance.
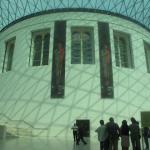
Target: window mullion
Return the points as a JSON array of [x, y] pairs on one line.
[[129, 55], [148, 55], [33, 50], [42, 49], [119, 51], [81, 46], [6, 59]]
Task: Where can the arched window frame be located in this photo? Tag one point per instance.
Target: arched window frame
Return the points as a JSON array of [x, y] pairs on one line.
[[123, 53], [43, 57], [79, 51]]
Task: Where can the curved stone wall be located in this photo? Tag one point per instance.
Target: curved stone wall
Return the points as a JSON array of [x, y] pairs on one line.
[[26, 105]]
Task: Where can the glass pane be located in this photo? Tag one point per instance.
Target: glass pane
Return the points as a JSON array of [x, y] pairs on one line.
[[10, 52], [46, 49], [123, 52], [116, 44], [88, 57], [148, 59], [147, 53], [76, 48], [129, 53], [37, 50]]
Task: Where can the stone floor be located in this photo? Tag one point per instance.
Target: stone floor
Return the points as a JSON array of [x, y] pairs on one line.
[[48, 144]]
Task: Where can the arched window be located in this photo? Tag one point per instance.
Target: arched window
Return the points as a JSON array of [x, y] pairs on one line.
[[8, 58], [147, 55], [41, 42], [76, 48], [123, 50], [82, 46]]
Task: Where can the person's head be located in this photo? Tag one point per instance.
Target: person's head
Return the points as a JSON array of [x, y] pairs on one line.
[[111, 119], [133, 120], [124, 122], [101, 122]]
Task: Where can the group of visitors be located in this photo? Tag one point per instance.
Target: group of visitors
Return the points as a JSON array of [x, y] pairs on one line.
[[109, 134]]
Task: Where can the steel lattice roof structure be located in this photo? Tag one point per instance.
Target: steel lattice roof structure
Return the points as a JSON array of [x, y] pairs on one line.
[[12, 10]]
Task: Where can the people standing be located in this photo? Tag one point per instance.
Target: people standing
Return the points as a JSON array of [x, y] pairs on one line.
[[102, 136], [113, 134], [124, 133], [75, 131], [146, 133], [135, 134], [80, 135]]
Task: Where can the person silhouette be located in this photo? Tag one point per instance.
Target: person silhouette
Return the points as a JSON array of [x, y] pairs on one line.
[[75, 131], [135, 134], [146, 133], [80, 135], [102, 136], [124, 133], [113, 134]]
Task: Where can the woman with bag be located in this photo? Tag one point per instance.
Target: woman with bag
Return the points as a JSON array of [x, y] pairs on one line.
[[124, 132]]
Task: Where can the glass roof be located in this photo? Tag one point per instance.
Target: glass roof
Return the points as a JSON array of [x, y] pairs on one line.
[[11, 10]]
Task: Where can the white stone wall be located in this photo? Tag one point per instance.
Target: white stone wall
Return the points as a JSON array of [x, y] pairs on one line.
[[25, 101]]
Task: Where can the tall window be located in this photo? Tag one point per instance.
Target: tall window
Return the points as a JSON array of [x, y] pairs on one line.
[[147, 55], [40, 45], [123, 51], [82, 46], [8, 58]]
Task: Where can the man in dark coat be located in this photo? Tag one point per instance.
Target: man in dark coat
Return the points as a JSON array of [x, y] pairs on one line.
[[113, 134], [135, 134]]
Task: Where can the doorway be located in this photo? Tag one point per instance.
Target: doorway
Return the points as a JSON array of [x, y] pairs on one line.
[[86, 125], [145, 118]]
